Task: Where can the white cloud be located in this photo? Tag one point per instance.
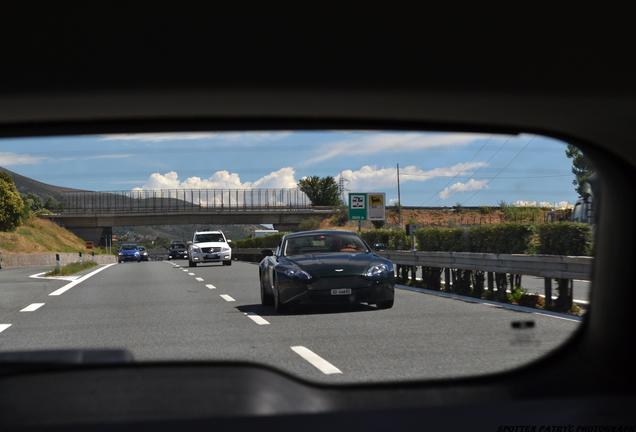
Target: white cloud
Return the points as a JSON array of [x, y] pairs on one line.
[[369, 178], [402, 141], [8, 159], [283, 178], [189, 136], [470, 185]]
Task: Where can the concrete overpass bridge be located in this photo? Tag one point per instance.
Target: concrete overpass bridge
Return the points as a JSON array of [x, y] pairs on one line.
[[92, 215]]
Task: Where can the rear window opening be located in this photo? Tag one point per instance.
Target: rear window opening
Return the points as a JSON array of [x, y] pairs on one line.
[[340, 256]]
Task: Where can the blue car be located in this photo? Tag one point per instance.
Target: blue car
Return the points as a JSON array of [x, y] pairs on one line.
[[129, 252]]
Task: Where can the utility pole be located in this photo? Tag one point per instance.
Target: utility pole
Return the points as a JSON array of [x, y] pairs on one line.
[[399, 209], [342, 188]]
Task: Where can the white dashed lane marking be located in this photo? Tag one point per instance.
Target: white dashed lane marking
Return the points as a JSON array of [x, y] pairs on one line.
[[191, 274], [32, 307], [3, 327], [318, 362], [257, 318], [210, 286], [199, 279], [227, 298]]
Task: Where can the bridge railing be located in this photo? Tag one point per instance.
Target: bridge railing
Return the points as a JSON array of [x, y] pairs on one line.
[[182, 200]]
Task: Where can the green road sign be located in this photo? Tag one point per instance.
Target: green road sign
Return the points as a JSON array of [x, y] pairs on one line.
[[357, 206]]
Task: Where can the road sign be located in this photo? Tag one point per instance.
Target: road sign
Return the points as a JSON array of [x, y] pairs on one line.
[[376, 206], [358, 206]]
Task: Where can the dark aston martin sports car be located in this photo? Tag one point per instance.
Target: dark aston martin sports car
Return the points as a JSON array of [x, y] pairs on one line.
[[325, 267]]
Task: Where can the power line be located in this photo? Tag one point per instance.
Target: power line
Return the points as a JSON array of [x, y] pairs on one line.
[[453, 178], [486, 163], [502, 169], [514, 177]]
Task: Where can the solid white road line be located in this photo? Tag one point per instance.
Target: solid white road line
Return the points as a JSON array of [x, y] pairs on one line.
[[64, 278], [318, 362], [210, 286], [257, 318], [491, 303], [32, 307], [3, 327], [199, 279], [227, 297], [559, 317], [68, 286]]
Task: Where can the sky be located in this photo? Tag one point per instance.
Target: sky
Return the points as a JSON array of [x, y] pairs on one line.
[[436, 168]]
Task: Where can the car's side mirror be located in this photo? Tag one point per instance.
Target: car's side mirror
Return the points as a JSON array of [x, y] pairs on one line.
[[189, 243], [229, 241], [267, 252]]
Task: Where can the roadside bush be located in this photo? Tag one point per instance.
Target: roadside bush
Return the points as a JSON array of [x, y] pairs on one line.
[[309, 224], [270, 241], [377, 224], [393, 238], [12, 206], [502, 238], [440, 239], [565, 238], [341, 217]]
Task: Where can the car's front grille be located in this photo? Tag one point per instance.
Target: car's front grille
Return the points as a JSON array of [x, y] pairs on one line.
[[211, 249]]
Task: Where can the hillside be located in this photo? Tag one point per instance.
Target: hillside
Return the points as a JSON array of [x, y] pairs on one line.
[[40, 235], [43, 190]]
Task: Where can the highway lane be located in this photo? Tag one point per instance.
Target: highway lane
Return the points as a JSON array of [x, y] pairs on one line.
[[580, 288], [163, 312]]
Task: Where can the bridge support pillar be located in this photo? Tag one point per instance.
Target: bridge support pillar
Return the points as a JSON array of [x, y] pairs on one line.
[[100, 236]]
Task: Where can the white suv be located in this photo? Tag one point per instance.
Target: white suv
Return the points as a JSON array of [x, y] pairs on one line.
[[209, 246]]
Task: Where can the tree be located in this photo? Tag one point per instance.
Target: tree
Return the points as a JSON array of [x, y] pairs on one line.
[[11, 204], [582, 168], [32, 201], [322, 191], [52, 204]]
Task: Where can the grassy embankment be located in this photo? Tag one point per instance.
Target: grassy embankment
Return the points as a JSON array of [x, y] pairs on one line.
[[41, 235]]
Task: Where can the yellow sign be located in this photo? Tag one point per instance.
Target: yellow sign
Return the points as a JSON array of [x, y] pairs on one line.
[[376, 206]]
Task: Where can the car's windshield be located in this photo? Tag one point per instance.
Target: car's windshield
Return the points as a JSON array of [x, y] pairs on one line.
[[129, 247], [323, 243], [178, 246], [208, 238]]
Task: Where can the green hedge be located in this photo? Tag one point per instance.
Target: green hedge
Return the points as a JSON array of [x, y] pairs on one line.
[[392, 238], [270, 241], [500, 238], [565, 238]]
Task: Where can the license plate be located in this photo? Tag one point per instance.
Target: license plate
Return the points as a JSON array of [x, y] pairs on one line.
[[212, 256], [341, 291]]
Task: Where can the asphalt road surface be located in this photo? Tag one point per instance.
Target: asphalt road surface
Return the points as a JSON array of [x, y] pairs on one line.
[[163, 312]]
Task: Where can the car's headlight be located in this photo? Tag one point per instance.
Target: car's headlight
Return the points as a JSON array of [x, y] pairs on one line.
[[196, 249], [377, 270], [226, 249], [145, 253], [297, 273], [120, 253]]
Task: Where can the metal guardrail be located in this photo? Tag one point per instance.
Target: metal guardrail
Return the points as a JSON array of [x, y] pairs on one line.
[[547, 266], [182, 200]]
